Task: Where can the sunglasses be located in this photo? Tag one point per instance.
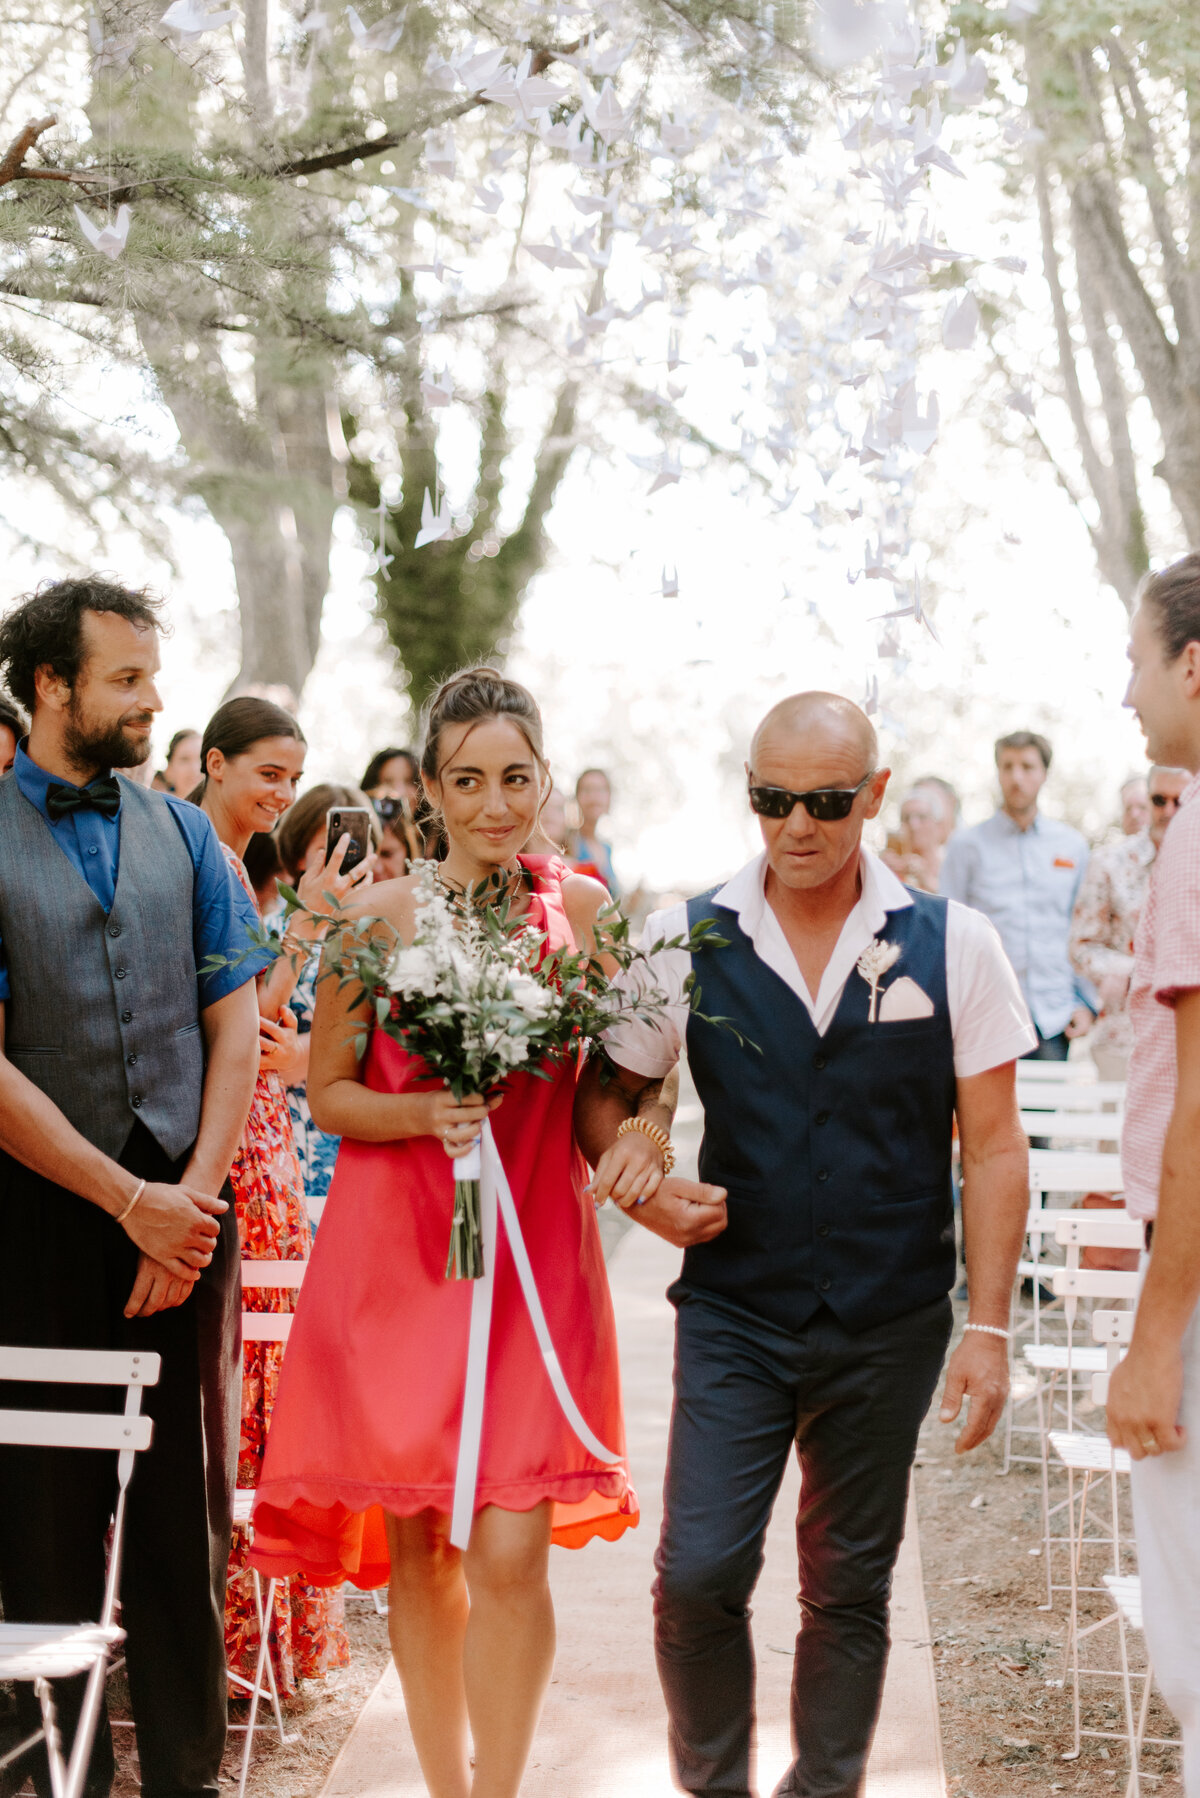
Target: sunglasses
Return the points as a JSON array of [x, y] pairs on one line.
[[828, 805], [1161, 799]]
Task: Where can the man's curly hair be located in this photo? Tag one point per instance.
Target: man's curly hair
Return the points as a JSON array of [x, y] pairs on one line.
[[45, 629]]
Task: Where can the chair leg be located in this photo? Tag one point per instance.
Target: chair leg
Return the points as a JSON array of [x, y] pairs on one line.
[[1045, 1454], [58, 1772], [263, 1662], [1131, 1731], [267, 1612], [1072, 1669], [381, 1603]]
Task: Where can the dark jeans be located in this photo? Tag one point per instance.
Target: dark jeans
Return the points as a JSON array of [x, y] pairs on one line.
[[66, 1271], [852, 1405], [1049, 1048]]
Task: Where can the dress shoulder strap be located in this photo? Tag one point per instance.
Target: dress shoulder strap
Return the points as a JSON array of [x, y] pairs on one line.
[[549, 872]]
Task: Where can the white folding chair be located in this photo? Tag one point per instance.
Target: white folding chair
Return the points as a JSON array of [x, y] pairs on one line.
[[1057, 1073], [1069, 1362], [1066, 1172], [1092, 1457], [42, 1652], [1095, 1095], [1063, 1172], [262, 1326], [1073, 1127]]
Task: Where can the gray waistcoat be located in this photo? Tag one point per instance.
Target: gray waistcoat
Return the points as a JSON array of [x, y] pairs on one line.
[[103, 1011]]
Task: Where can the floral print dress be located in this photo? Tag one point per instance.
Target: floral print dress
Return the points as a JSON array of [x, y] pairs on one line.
[[309, 1636], [316, 1152]]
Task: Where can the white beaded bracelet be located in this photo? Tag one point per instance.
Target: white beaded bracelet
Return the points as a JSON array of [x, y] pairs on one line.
[[989, 1330]]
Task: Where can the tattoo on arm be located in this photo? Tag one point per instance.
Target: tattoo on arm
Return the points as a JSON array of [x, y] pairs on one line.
[[647, 1098]]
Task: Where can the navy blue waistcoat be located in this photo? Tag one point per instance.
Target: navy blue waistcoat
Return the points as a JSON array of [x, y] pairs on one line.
[[835, 1149]]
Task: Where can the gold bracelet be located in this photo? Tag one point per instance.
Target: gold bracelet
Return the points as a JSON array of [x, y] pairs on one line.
[[133, 1201], [656, 1134]]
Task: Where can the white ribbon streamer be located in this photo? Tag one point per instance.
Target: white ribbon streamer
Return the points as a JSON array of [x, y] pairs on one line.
[[496, 1202]]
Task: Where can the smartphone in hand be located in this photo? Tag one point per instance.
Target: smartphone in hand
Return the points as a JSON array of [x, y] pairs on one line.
[[354, 821]]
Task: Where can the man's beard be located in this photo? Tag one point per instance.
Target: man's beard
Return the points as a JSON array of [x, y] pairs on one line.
[[89, 744]]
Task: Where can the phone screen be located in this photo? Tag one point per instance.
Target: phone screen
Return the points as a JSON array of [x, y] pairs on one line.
[[354, 820]]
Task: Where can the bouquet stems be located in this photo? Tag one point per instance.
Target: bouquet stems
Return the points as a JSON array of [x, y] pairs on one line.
[[465, 1259]]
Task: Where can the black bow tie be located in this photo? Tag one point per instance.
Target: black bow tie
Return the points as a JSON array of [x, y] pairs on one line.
[[103, 796]]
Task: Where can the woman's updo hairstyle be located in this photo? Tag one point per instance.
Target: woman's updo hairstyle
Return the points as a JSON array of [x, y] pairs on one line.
[[237, 726], [475, 696]]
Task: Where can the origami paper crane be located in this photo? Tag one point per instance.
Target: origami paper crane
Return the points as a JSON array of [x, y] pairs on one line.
[[411, 197], [604, 112], [191, 19], [440, 153], [435, 525], [476, 68], [669, 473], [110, 239], [109, 52], [960, 323], [379, 38], [437, 390], [965, 76], [552, 254], [845, 32]]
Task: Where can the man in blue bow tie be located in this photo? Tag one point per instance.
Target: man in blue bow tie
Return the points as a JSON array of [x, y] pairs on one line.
[[126, 1073]]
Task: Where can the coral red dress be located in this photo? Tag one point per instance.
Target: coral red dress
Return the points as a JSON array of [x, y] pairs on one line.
[[370, 1398]]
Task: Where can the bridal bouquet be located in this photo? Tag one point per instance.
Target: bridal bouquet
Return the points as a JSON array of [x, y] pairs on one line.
[[477, 995]]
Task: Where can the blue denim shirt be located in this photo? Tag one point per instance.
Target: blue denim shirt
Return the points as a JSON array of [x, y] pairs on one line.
[[222, 914], [1026, 882]]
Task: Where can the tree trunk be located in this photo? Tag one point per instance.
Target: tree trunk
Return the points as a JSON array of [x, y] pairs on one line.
[[270, 485]]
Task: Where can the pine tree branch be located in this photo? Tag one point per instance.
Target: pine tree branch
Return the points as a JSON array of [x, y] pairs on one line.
[[12, 163], [362, 151]]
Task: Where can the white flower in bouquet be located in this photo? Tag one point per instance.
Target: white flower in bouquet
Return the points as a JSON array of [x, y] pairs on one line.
[[415, 973], [531, 998]]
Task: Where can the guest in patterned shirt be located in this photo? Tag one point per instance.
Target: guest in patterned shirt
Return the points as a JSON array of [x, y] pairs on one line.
[[252, 757], [1135, 805], [1154, 1395], [1106, 917]]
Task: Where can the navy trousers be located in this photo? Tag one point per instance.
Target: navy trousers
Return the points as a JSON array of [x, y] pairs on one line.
[[852, 1405]]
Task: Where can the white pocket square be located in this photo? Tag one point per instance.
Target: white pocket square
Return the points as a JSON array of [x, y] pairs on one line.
[[903, 999]]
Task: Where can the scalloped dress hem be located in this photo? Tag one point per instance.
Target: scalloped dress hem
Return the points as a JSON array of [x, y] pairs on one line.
[[308, 1527]]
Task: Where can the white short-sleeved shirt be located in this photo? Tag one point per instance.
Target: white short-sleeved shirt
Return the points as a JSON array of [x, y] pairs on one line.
[[989, 1020]]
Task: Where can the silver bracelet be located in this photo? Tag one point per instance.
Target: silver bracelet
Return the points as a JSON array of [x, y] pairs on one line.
[[989, 1330]]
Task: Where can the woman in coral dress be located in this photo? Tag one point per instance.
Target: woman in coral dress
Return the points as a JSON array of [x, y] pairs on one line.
[[253, 757], [361, 1464]]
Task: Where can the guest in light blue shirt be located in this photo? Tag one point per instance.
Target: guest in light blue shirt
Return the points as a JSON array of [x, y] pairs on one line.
[[1023, 871]]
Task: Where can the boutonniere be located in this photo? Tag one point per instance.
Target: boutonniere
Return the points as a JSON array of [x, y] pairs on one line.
[[873, 964]]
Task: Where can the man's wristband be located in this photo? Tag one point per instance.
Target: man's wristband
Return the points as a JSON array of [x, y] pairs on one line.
[[989, 1330], [120, 1219]]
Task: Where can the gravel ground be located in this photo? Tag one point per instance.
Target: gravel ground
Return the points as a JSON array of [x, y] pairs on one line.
[[1006, 1722]]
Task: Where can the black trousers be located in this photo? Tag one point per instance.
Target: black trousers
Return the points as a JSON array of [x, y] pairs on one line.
[[66, 1271], [852, 1406]]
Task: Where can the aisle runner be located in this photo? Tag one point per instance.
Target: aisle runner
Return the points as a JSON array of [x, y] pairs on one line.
[[603, 1727]]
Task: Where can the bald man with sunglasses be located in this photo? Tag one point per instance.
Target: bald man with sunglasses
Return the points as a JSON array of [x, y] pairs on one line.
[[867, 1018]]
